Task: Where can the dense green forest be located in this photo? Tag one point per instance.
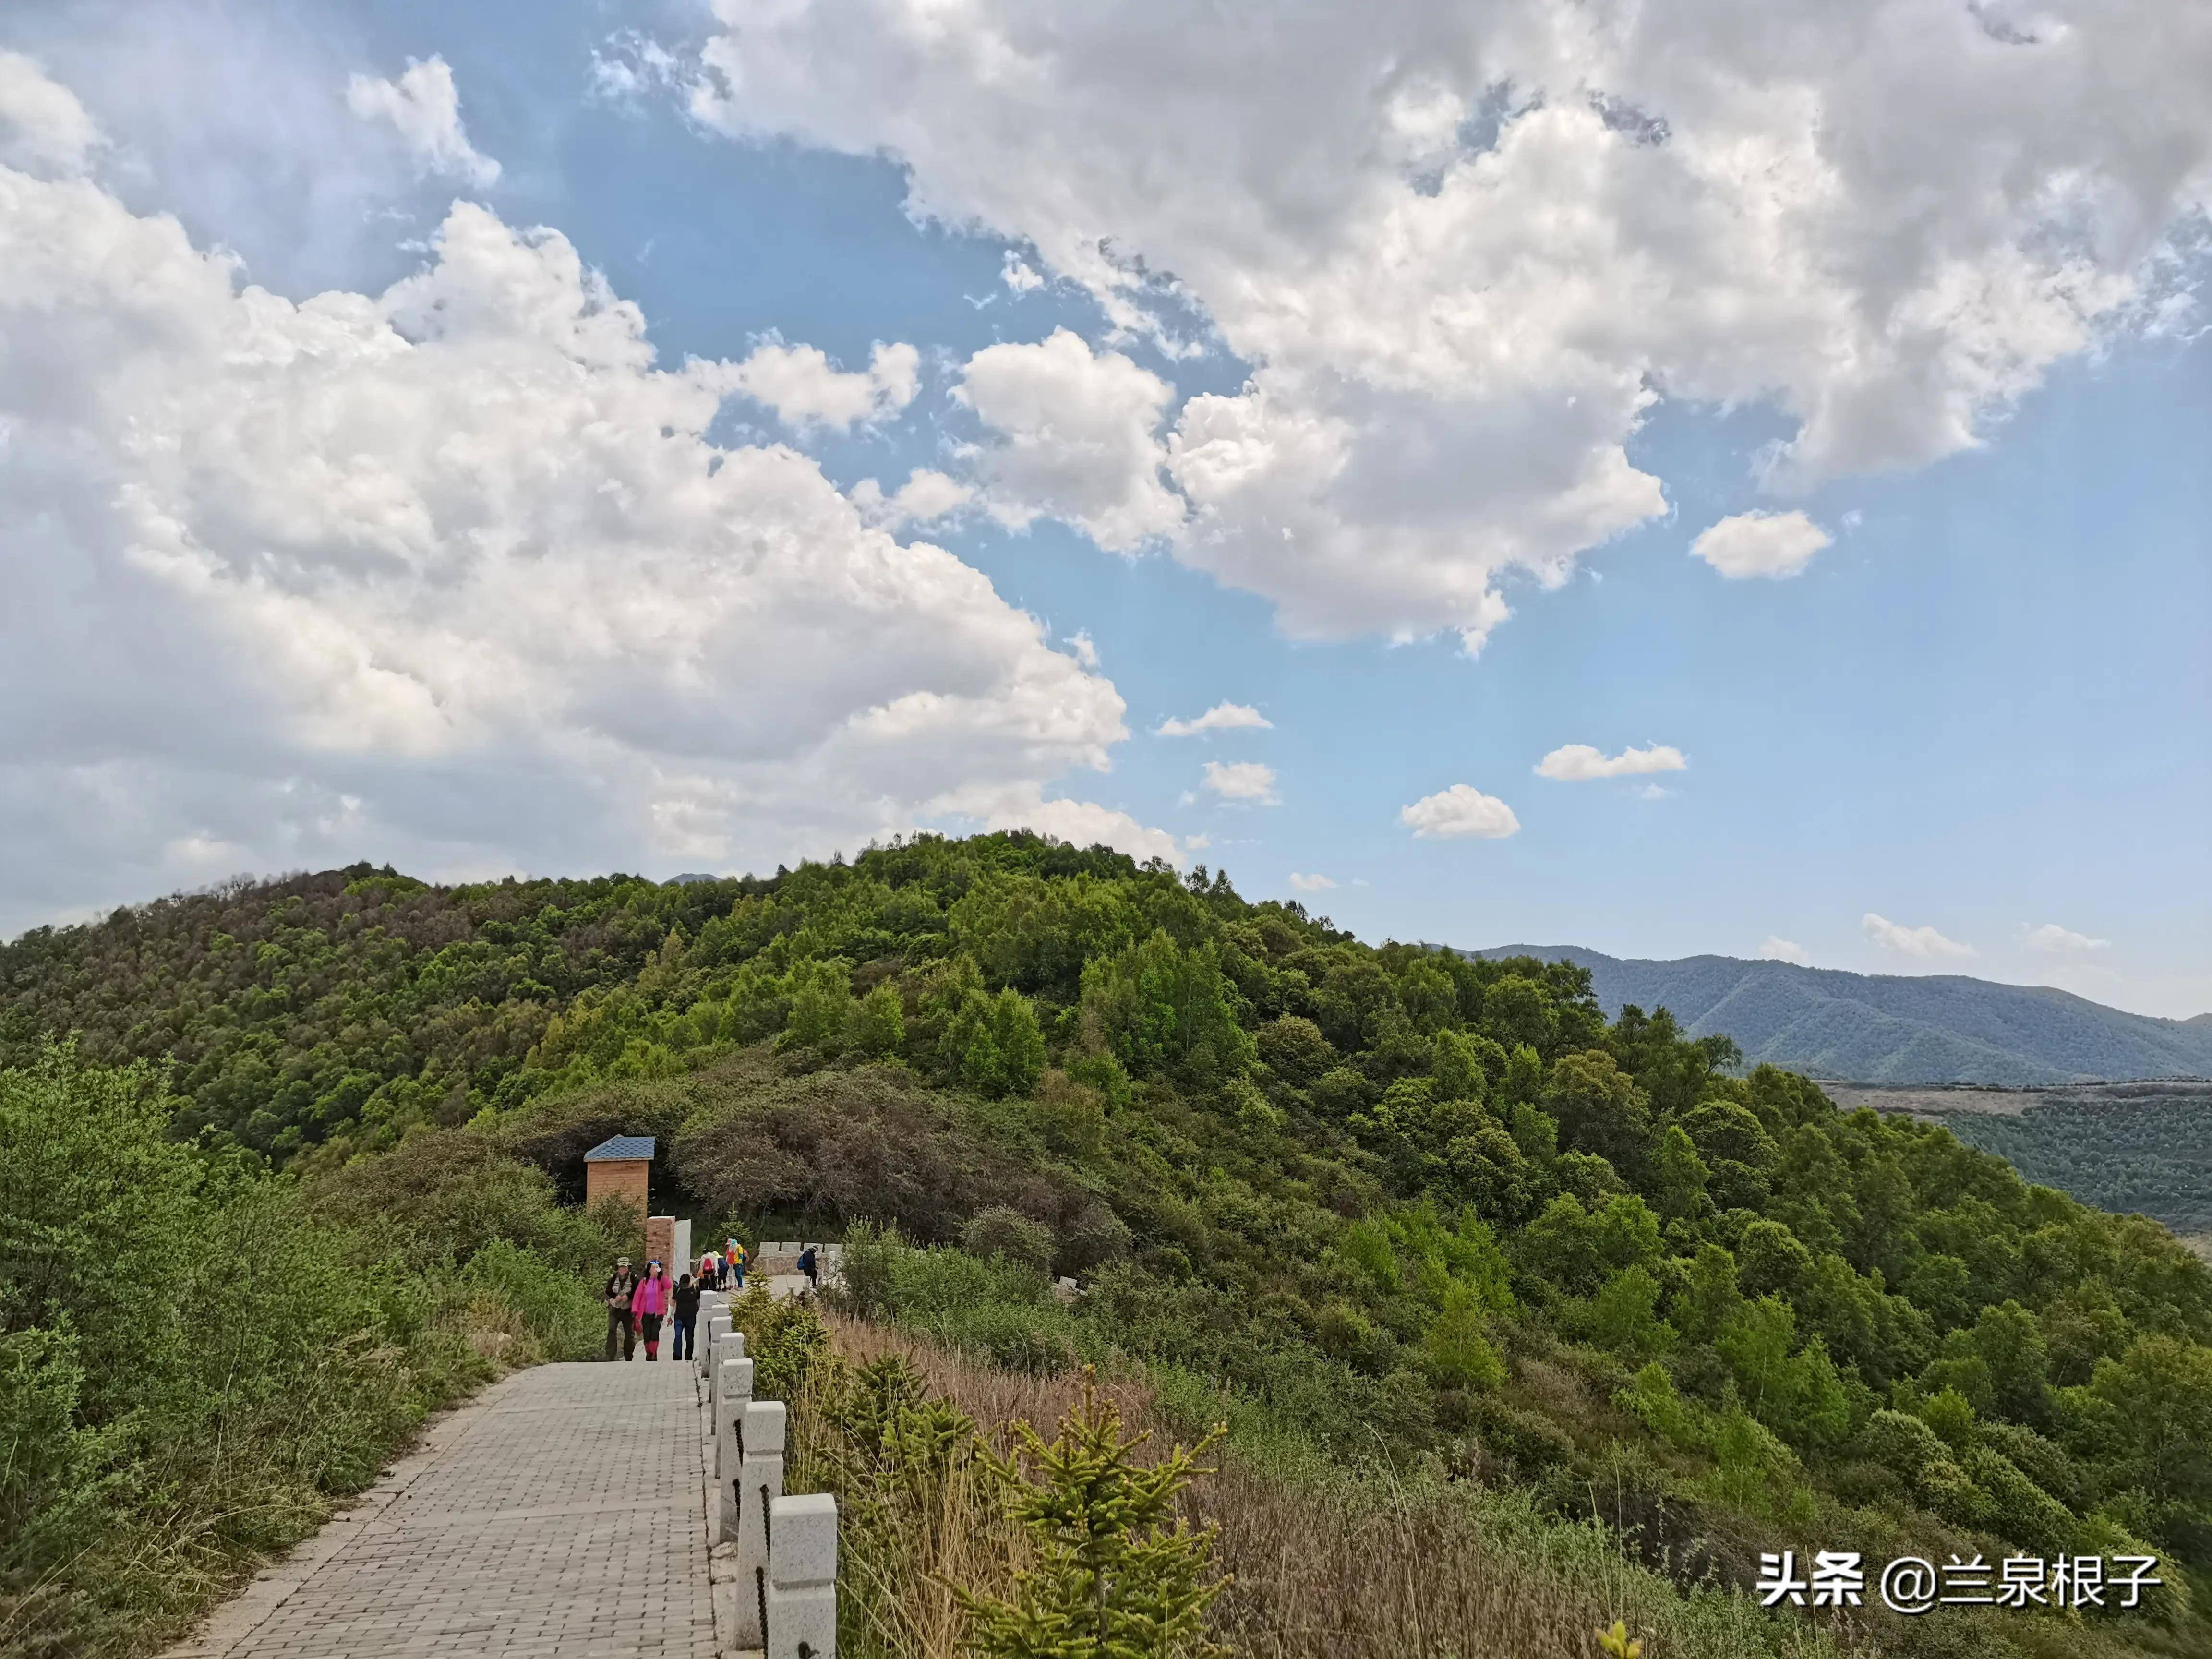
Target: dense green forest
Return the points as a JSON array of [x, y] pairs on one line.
[[1397, 1210], [2151, 1155]]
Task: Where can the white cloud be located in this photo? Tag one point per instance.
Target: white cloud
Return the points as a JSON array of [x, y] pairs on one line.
[[629, 68], [1242, 781], [42, 127], [1924, 942], [452, 575], [1019, 274], [1073, 437], [1465, 249], [1779, 949], [1222, 717], [1315, 883], [1197, 843], [1461, 810], [1760, 543], [926, 496], [1083, 648], [1082, 823], [424, 107], [1577, 762], [805, 389], [2053, 937]]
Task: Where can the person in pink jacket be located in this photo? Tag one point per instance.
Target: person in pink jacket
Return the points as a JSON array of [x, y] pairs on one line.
[[649, 1302]]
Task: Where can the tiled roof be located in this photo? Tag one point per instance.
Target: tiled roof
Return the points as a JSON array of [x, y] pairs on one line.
[[621, 1146]]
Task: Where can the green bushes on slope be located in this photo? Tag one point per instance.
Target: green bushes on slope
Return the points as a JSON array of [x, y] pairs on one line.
[[197, 1356]]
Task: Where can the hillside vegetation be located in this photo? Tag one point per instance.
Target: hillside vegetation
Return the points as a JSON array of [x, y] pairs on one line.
[[1898, 1028], [1399, 1216]]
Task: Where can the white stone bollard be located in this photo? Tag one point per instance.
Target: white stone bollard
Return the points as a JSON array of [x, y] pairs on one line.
[[716, 1327], [801, 1589], [727, 1344], [759, 1484], [736, 1390]]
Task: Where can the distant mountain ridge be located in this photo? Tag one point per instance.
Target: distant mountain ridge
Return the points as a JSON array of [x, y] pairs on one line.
[[1895, 1028]]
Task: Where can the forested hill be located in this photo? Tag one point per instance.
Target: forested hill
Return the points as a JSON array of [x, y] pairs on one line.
[[1896, 1028], [1379, 1204]]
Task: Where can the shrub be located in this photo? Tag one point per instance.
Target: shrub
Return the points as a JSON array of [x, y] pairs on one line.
[[1003, 1234]]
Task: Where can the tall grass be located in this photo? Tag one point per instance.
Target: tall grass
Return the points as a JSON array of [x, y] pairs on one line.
[[1326, 1565]]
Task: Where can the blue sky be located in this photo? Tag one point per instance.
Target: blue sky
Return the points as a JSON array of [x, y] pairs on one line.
[[1981, 709]]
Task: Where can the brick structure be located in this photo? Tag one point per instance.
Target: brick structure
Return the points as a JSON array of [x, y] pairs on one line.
[[618, 1167]]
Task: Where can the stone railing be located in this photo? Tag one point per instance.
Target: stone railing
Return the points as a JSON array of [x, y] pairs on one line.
[[773, 1558]]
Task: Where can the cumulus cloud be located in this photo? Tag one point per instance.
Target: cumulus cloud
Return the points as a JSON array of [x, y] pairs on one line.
[[1779, 949], [1315, 883], [806, 390], [926, 496], [1248, 781], [2062, 940], [1465, 249], [1019, 274], [451, 574], [1459, 811], [1577, 762], [423, 107], [1222, 717], [1074, 436], [1922, 942], [42, 125], [1760, 543]]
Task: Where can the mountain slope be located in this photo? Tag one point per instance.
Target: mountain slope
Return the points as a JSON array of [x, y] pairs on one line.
[[1892, 1028]]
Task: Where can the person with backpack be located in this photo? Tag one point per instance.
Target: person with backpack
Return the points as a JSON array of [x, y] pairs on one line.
[[687, 1293], [812, 1268], [733, 1266], [622, 1323], [649, 1302]]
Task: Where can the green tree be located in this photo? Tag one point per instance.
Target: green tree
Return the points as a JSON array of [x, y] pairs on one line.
[[1600, 1110], [1708, 1296], [821, 1007], [1159, 1008], [994, 1045], [1455, 1352], [1622, 1315], [1456, 1070], [1117, 1576], [1678, 1176], [878, 1024]]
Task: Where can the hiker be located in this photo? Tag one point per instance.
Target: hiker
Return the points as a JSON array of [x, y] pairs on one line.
[[734, 1265], [809, 1267], [649, 1302], [622, 1285], [710, 1271], [687, 1314]]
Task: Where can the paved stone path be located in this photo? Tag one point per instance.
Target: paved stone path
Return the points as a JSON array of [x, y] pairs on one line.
[[560, 1516]]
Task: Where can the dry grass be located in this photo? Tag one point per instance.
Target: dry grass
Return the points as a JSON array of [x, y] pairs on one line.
[[1321, 1568]]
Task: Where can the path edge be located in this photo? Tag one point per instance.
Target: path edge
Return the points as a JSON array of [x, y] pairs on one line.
[[231, 1621]]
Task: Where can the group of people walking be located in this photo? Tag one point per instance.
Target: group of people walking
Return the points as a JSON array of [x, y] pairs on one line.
[[637, 1307]]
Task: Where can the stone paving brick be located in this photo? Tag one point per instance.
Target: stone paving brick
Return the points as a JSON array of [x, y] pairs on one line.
[[565, 1521]]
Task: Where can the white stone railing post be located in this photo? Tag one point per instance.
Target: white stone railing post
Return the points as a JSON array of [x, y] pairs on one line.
[[717, 1325], [735, 1377], [727, 1344], [799, 1595], [759, 1484]]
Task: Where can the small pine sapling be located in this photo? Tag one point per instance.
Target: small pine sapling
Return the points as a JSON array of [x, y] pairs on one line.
[[1117, 1574]]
